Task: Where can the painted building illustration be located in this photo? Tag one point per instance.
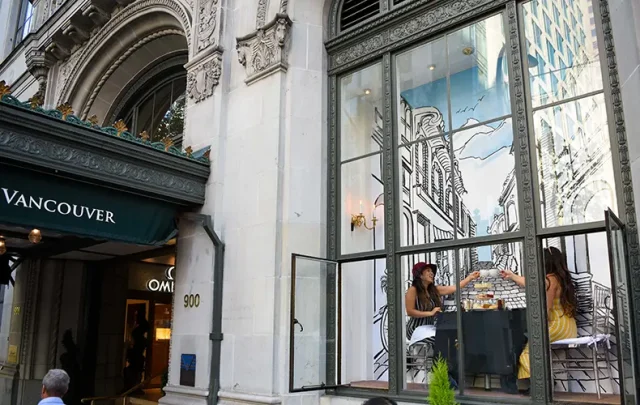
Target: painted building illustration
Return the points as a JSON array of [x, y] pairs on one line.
[[431, 176]]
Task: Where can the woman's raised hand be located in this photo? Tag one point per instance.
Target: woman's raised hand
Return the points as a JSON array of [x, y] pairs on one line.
[[506, 274]]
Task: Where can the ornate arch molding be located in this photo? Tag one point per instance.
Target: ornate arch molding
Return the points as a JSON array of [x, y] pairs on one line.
[[113, 67], [263, 7], [81, 58], [397, 27], [334, 15]]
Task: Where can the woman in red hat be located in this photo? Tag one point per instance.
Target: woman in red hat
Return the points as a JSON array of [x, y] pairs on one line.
[[422, 301]]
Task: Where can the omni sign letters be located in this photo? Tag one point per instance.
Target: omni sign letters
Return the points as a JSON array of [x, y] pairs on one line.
[[14, 197], [165, 285]]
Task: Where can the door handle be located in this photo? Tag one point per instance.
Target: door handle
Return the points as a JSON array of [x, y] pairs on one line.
[[295, 322]]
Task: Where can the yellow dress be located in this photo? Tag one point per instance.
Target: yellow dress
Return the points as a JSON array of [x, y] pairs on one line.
[[561, 326]]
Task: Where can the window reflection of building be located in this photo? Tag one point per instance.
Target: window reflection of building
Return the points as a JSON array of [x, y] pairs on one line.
[[572, 144]]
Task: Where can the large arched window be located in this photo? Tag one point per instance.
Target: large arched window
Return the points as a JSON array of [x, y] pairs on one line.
[[158, 110]]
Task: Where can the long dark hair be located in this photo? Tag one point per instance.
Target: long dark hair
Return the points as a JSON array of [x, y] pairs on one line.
[[555, 263], [425, 293]]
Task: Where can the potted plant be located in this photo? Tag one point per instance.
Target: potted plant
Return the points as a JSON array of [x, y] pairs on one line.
[[440, 390]]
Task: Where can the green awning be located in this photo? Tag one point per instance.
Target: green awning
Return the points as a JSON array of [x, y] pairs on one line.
[[37, 200]]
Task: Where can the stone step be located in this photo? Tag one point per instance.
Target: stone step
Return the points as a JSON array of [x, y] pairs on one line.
[[140, 401]]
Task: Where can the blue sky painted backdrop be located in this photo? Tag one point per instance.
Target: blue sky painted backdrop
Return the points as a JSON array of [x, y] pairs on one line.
[[483, 151]]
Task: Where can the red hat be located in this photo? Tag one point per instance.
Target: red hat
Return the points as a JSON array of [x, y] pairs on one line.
[[418, 268]]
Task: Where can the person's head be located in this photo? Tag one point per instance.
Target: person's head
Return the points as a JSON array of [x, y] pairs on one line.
[[423, 280], [424, 272], [555, 263], [380, 401], [55, 384]]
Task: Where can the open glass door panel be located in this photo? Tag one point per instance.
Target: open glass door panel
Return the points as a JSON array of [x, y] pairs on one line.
[[623, 307], [313, 324]]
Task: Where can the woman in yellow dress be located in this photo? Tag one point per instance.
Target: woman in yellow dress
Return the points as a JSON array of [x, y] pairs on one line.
[[562, 302]]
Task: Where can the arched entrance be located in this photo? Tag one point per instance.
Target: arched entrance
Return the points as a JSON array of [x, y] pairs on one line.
[[132, 72]]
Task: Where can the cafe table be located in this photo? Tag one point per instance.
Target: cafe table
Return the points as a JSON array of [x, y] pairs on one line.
[[493, 342]]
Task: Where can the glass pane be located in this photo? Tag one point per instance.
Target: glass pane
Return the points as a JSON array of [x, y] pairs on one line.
[[361, 112], [25, 24], [362, 218], [144, 119], [160, 343], [364, 324], [581, 307], [563, 51], [623, 311], [485, 182], [430, 317], [314, 283], [421, 81], [162, 103], [574, 162], [425, 187], [494, 321], [172, 124], [478, 73]]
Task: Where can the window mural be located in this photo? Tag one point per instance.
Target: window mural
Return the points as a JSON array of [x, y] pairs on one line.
[[458, 180], [456, 134]]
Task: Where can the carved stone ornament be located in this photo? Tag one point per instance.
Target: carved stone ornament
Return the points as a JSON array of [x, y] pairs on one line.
[[71, 70], [207, 22], [39, 63], [261, 14], [395, 30], [265, 51], [203, 76]]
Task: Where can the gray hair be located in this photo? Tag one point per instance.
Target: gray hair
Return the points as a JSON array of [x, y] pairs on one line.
[[56, 383]]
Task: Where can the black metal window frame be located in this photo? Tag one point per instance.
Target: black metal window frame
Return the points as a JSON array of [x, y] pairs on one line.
[[24, 22], [133, 105], [401, 26]]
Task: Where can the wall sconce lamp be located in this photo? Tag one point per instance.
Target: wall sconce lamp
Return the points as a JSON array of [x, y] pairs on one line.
[[360, 220]]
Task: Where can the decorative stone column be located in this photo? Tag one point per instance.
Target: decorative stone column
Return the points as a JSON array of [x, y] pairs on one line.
[[39, 63], [192, 376]]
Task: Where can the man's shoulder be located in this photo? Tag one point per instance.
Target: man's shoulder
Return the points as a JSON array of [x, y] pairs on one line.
[[51, 401]]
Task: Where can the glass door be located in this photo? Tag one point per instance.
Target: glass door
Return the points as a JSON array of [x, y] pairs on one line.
[[622, 307], [137, 328], [160, 343], [313, 323]]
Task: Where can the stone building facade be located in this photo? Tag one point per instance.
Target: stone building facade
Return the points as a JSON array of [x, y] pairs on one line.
[[251, 81]]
